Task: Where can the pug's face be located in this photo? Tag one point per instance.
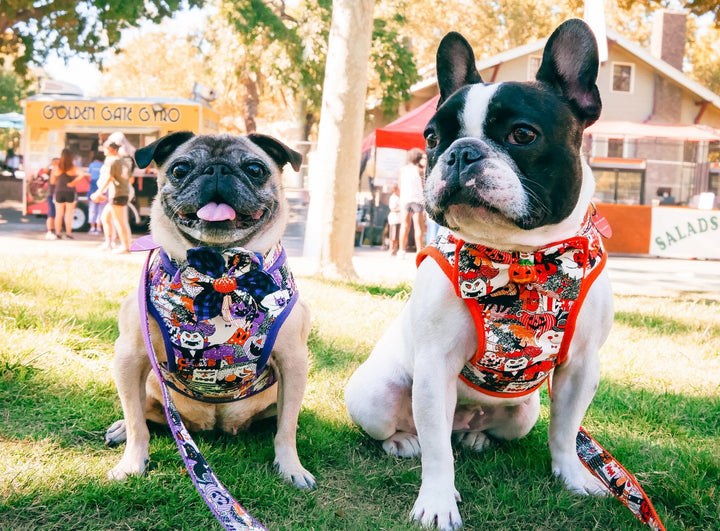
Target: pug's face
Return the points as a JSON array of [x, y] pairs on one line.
[[217, 191]]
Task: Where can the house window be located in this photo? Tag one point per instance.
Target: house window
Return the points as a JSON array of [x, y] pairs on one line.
[[534, 62], [615, 148], [622, 79]]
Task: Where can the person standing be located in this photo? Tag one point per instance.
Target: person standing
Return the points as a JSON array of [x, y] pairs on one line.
[[115, 177], [67, 175], [412, 199], [95, 208], [50, 221]]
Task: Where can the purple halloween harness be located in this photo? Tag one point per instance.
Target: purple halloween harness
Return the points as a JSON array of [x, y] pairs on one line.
[[237, 295], [220, 314]]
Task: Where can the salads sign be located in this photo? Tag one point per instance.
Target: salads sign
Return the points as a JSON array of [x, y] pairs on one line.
[[685, 233]]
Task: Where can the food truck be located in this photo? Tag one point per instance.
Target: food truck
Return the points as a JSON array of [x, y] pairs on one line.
[[54, 122]]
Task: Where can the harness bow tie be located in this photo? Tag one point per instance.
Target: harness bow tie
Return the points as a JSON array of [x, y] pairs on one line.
[[223, 277]]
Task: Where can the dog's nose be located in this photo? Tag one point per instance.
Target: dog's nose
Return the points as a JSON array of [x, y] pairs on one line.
[[465, 155], [217, 170]]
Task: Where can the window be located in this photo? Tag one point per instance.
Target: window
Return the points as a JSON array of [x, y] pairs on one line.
[[619, 186], [534, 62], [615, 148], [622, 79]]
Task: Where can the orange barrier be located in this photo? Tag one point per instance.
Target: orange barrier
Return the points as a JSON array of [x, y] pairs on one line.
[[631, 227]]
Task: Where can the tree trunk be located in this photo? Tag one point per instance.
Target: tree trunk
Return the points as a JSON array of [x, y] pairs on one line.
[[251, 103], [330, 233]]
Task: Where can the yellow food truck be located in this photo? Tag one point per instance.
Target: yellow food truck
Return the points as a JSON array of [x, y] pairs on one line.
[[54, 122]]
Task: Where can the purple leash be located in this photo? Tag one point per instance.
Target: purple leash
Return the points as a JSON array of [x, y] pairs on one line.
[[226, 509]]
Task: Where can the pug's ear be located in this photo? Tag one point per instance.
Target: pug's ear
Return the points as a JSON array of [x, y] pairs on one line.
[[278, 151], [161, 149]]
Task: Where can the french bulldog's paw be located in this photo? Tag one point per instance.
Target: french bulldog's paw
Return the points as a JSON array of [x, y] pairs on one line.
[[475, 440], [116, 433], [402, 444], [296, 474], [436, 509], [127, 467], [578, 479]]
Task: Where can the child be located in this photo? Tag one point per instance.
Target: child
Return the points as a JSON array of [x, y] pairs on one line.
[[95, 208], [394, 221]]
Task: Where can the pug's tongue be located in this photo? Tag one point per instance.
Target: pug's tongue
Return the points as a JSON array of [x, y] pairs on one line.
[[215, 212]]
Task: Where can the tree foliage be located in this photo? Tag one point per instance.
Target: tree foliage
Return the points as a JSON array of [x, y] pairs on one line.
[[704, 55], [13, 89], [30, 30], [284, 50], [153, 64]]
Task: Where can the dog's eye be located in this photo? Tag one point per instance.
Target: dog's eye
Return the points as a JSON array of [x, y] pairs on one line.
[[522, 135], [180, 170], [255, 170], [431, 139]]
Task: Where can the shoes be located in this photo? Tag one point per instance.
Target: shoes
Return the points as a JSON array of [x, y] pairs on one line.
[[105, 246], [50, 236], [121, 250], [69, 236]]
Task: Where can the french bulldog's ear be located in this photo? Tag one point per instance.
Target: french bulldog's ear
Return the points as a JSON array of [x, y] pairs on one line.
[[161, 149], [570, 65], [455, 65], [278, 151]]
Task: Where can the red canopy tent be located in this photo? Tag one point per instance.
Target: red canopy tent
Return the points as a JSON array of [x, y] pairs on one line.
[[406, 132]]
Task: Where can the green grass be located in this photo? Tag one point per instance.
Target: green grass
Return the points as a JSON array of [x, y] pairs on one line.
[[657, 411]]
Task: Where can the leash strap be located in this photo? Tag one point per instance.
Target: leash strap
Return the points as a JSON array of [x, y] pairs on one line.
[[621, 483], [226, 509]]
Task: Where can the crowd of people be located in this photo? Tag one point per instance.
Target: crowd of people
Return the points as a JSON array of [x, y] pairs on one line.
[[111, 180]]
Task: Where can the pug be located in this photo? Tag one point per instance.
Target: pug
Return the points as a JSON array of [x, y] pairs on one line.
[[228, 328], [513, 291]]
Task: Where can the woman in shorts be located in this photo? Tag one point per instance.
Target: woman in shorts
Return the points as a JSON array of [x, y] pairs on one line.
[[66, 177]]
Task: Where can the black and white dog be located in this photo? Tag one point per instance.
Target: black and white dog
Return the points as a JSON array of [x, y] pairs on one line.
[[500, 307]]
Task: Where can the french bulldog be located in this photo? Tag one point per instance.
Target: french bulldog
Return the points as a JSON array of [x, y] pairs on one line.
[[492, 314], [218, 217]]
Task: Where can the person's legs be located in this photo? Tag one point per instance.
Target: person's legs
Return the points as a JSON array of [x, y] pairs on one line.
[[419, 229], [59, 215], [69, 213], [93, 216], [404, 229], [119, 216], [107, 226]]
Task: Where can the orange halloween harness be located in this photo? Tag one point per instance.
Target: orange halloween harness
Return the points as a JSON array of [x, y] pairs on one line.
[[524, 305]]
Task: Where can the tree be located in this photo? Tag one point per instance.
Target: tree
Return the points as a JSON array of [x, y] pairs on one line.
[[30, 30], [704, 52], [13, 89], [153, 64], [282, 52], [331, 216]]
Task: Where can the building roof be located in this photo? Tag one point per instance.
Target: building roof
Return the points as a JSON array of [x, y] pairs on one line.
[[629, 46]]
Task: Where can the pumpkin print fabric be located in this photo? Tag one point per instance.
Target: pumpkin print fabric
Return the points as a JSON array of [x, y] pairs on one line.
[[524, 305], [219, 315]]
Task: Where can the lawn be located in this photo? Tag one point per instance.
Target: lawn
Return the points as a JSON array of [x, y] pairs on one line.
[[657, 411]]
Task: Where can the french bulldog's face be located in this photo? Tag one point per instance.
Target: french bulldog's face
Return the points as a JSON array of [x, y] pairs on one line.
[[508, 154], [218, 191]]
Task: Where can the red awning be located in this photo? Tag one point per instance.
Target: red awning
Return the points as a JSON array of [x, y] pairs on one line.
[[691, 133], [407, 131]]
